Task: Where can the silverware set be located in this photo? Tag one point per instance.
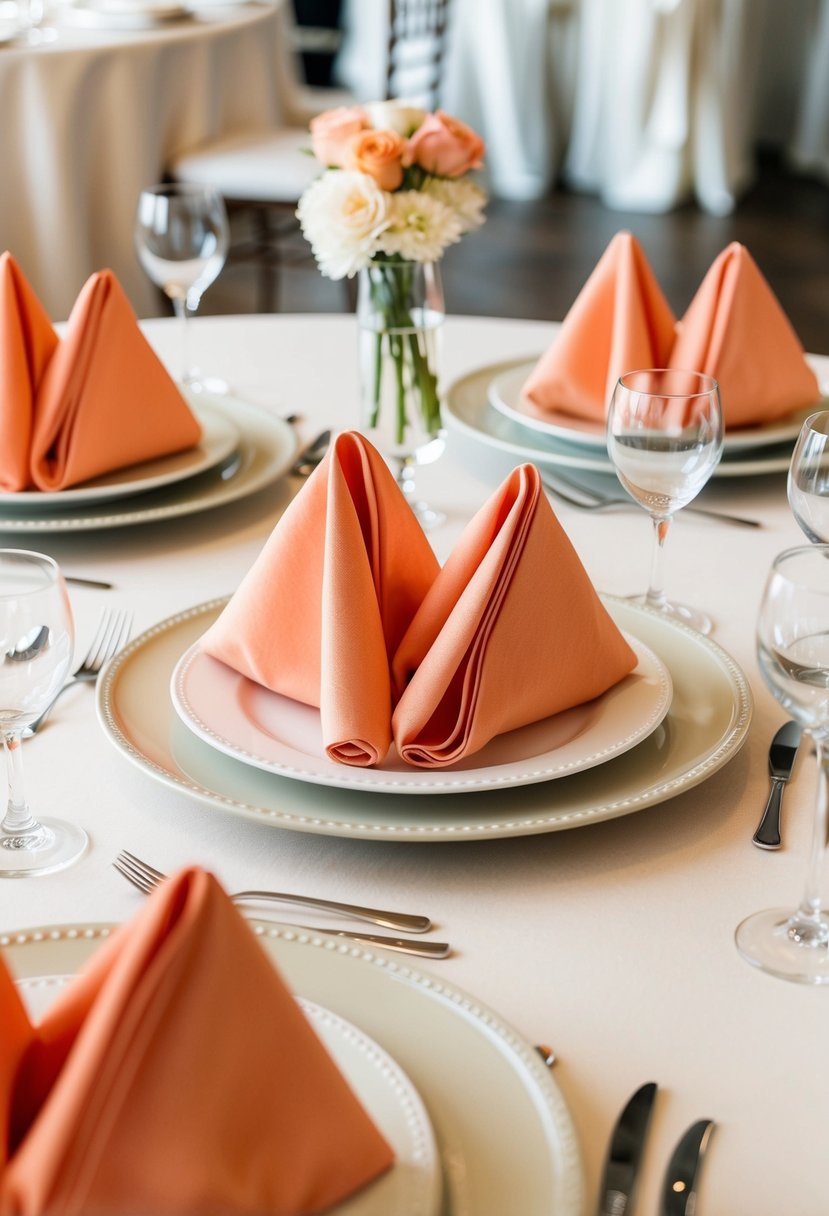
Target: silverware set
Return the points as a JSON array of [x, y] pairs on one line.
[[624, 1159], [590, 498]]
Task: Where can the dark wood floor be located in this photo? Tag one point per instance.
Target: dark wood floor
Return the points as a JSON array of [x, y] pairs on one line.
[[531, 258]]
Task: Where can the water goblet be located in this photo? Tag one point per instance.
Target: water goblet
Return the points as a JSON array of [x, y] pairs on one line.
[[664, 439], [808, 481], [181, 237], [36, 638], [793, 653]]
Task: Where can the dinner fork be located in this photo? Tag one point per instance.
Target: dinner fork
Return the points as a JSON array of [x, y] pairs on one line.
[[146, 878], [113, 631], [591, 499]]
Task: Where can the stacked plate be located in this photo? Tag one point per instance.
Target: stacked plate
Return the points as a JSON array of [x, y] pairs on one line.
[[488, 405], [242, 450]]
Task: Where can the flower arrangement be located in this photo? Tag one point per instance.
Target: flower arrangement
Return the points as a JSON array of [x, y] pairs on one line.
[[396, 192]]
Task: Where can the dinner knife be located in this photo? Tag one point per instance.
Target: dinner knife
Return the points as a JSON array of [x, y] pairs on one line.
[[782, 755], [679, 1193], [311, 456], [624, 1152]]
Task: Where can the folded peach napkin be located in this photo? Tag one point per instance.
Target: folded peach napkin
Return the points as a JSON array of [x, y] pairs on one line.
[[619, 321], [27, 342], [511, 631], [325, 605], [736, 331], [176, 1074], [105, 401]]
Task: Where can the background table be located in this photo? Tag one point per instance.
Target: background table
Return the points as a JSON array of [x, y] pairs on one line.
[[93, 117], [612, 942]]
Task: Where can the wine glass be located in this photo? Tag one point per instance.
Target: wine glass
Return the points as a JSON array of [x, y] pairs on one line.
[[32, 30], [808, 482], [664, 438], [181, 237], [793, 652], [36, 639]]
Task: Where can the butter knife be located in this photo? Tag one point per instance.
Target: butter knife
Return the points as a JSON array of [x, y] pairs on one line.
[[782, 755], [624, 1152], [679, 1193]]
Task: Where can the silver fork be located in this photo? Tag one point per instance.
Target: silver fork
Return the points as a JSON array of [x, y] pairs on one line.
[[112, 633], [592, 499], [146, 878]]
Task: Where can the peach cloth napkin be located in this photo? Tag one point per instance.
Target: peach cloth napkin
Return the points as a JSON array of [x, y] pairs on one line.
[[92, 402], [619, 321], [511, 631], [326, 603], [176, 1074], [736, 331]]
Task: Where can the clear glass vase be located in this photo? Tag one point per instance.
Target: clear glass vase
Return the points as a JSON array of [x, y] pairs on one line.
[[400, 312]]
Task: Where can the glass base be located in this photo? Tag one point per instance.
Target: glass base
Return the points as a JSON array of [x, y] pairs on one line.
[[785, 944], [36, 35], [197, 383], [427, 516], [692, 617], [53, 845]]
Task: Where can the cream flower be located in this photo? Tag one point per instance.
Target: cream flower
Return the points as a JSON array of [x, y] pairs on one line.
[[342, 214], [420, 227], [404, 117], [464, 196]]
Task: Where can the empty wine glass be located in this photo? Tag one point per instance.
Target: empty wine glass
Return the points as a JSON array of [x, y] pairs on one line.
[[32, 31], [793, 652], [808, 483], [664, 438], [36, 639], [181, 237]]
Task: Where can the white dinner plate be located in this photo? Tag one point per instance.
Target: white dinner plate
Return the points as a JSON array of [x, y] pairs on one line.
[[266, 447], [126, 15], [469, 411], [258, 727], [506, 395], [704, 728], [505, 1138], [413, 1186], [220, 437]]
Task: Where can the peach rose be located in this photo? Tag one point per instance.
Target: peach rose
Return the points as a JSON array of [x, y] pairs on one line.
[[333, 131], [446, 146], [380, 154]]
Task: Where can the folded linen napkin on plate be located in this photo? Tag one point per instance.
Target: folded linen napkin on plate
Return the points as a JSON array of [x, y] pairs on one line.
[[96, 400], [510, 632], [325, 605], [619, 321], [176, 1074], [736, 331]]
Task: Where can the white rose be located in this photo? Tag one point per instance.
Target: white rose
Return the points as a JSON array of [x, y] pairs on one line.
[[400, 116], [342, 214]]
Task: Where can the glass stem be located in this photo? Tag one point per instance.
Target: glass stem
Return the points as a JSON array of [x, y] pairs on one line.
[[19, 818], [809, 909], [655, 597], [180, 309]]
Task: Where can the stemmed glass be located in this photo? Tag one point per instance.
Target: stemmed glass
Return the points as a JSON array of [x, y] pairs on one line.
[[808, 483], [32, 30], [36, 639], [793, 652], [664, 438], [181, 237]]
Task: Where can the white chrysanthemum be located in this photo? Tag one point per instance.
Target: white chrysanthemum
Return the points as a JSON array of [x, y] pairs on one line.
[[420, 227], [342, 214], [461, 194]]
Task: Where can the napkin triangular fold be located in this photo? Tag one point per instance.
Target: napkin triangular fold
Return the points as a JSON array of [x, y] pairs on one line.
[[105, 401], [619, 321], [177, 1074], [323, 608], [736, 331], [511, 631], [27, 342]]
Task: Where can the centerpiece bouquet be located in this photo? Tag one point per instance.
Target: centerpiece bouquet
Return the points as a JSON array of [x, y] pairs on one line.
[[395, 194]]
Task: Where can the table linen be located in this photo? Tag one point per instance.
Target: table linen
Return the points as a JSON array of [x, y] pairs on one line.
[[613, 941]]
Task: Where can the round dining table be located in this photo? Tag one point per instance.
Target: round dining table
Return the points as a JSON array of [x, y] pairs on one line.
[[604, 931], [94, 115]]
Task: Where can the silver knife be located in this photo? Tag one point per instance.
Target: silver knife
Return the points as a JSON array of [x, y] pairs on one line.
[[311, 456], [624, 1152], [782, 755], [679, 1193]]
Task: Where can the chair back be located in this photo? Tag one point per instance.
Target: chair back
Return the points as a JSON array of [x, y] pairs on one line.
[[416, 51]]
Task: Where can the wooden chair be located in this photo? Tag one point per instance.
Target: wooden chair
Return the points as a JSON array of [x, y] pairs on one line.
[[261, 176]]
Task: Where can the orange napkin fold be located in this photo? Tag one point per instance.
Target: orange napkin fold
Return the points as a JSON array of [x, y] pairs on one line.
[[511, 631], [105, 401], [326, 603], [619, 321], [176, 1074], [27, 342], [736, 331]]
